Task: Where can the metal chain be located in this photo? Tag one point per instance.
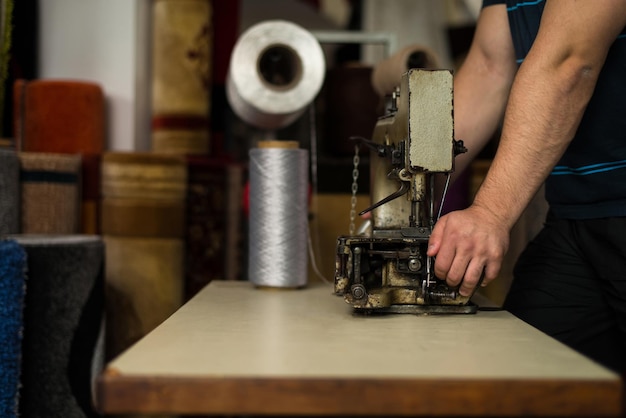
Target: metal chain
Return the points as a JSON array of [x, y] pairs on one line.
[[355, 188]]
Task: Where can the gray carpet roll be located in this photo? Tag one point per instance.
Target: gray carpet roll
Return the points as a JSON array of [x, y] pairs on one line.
[[63, 316], [9, 192]]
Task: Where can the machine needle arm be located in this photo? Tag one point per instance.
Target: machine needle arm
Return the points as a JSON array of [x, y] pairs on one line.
[[404, 187], [381, 150]]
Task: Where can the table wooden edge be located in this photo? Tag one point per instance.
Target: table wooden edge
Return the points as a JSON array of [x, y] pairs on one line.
[[119, 394]]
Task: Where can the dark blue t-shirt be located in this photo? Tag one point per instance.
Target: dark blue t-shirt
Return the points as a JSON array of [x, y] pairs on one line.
[[590, 179]]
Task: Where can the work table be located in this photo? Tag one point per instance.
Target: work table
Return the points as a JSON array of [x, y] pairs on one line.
[[236, 349]]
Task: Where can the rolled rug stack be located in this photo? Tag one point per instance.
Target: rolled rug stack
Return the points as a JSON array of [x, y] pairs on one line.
[[143, 221], [12, 289], [63, 324], [214, 222], [182, 44], [65, 117], [50, 193]]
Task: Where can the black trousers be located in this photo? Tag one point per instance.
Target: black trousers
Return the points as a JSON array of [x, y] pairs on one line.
[[570, 282]]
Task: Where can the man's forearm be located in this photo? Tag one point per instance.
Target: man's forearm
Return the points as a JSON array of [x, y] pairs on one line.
[[545, 107]]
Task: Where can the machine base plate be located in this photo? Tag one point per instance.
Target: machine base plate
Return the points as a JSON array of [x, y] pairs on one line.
[[469, 308]]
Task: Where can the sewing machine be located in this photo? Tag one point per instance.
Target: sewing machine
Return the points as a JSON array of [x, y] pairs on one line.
[[387, 269]]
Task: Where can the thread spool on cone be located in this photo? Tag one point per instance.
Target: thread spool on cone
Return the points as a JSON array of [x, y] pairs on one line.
[[278, 215]]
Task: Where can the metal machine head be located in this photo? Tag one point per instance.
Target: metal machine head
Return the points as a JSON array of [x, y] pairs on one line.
[[388, 270]]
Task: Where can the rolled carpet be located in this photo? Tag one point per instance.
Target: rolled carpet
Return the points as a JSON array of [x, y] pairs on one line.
[[144, 286], [12, 288], [143, 221], [181, 87], [65, 117], [9, 192], [63, 322], [143, 195], [50, 193]]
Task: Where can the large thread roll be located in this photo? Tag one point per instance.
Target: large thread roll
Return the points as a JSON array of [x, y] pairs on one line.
[[388, 73], [276, 69], [278, 231]]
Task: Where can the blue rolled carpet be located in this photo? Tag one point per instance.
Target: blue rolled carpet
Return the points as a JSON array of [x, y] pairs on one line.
[[12, 289]]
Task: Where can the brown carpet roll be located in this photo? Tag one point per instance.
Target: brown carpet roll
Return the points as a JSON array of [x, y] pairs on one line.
[[144, 286], [181, 141], [143, 212], [181, 75], [143, 176], [163, 218], [60, 116], [143, 195], [214, 222], [50, 193], [66, 117]]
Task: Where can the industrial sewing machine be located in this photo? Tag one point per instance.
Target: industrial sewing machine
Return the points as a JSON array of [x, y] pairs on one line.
[[387, 269]]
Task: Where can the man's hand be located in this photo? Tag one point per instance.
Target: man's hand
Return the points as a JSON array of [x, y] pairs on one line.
[[467, 243]]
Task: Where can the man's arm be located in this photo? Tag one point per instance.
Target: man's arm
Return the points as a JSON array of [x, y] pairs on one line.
[[482, 84], [547, 100]]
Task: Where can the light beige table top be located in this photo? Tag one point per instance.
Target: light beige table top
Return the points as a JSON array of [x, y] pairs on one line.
[[235, 349]]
